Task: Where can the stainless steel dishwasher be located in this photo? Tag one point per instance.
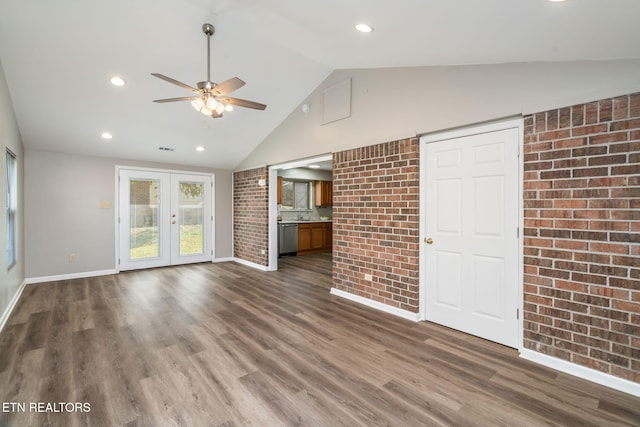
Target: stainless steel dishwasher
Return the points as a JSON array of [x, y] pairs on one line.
[[287, 238]]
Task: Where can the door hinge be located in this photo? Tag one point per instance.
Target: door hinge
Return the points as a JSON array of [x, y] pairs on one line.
[[517, 232], [518, 152], [118, 220], [517, 314], [118, 261]]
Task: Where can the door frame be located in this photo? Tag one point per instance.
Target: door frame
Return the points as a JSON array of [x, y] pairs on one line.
[[273, 204], [486, 127], [116, 215]]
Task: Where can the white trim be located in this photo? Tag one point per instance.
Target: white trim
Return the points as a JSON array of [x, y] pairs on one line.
[[583, 372], [273, 219], [70, 276], [12, 305], [250, 264], [408, 315], [223, 259], [514, 122]]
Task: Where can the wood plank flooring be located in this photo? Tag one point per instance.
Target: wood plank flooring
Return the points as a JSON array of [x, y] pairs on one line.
[[226, 345]]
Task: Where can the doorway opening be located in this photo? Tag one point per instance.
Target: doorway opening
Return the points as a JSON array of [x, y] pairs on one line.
[[300, 208]]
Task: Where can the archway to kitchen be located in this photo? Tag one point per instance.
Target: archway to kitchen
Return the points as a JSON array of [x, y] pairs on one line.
[[300, 208]]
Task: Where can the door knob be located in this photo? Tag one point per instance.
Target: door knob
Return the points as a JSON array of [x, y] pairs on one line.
[[173, 222], [428, 240], [173, 216]]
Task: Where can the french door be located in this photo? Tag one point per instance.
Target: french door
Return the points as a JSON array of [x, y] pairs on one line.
[[471, 234], [164, 218]]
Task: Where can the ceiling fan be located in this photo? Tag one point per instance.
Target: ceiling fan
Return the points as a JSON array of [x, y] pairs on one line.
[[210, 98]]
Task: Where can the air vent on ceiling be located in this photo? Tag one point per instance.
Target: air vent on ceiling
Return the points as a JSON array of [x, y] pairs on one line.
[[166, 149]]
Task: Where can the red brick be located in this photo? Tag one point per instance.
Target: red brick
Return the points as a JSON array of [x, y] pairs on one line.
[[590, 130]]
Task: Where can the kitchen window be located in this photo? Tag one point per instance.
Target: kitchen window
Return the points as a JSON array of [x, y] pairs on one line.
[[12, 208], [295, 195]]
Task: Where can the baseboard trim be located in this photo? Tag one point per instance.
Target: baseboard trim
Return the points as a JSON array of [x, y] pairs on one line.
[[225, 259], [414, 317], [70, 276], [583, 372], [12, 305], [251, 264]]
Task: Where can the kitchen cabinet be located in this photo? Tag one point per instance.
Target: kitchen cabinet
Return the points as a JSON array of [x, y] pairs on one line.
[[279, 197], [323, 193], [327, 231], [314, 237]]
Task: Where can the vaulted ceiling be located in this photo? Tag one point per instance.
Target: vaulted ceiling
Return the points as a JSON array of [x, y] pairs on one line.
[[58, 57]]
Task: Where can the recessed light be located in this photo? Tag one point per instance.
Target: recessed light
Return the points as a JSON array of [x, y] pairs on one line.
[[117, 81], [199, 148], [364, 28], [314, 166], [556, 1], [106, 135]]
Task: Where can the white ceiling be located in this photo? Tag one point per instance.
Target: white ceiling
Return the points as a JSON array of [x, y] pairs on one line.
[[58, 57]]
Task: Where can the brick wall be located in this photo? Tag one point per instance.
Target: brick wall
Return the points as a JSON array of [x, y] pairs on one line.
[[376, 222], [251, 216], [582, 234]]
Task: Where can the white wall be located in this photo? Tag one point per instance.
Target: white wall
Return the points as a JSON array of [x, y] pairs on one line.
[[10, 281], [397, 103], [63, 215]]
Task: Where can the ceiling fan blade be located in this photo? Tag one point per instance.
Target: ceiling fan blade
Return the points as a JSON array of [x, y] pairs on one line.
[[244, 103], [175, 82], [215, 114], [184, 98], [228, 86]]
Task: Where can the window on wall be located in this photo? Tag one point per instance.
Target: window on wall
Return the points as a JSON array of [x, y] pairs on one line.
[[295, 195], [12, 208]]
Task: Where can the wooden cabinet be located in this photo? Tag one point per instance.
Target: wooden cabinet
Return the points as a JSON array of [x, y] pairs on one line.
[[304, 237], [314, 237], [323, 193], [327, 232], [279, 197]]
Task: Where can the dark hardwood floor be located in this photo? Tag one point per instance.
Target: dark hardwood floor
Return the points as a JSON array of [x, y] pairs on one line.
[[226, 345]]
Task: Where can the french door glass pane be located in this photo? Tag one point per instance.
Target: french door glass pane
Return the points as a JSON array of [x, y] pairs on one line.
[[191, 216], [144, 213]]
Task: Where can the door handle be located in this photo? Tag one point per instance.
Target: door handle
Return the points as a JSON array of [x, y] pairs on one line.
[[173, 222], [428, 240]]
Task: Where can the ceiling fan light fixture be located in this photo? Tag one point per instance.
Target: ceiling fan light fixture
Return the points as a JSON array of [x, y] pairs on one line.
[[197, 104], [211, 102], [228, 107], [205, 98]]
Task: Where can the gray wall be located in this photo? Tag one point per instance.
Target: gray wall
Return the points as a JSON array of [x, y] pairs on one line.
[[396, 103], [63, 215], [11, 280]]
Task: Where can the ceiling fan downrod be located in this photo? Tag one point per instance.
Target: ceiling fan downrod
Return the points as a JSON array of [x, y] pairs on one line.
[[208, 29]]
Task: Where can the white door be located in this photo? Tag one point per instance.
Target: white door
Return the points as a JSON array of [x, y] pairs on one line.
[[471, 234], [165, 219]]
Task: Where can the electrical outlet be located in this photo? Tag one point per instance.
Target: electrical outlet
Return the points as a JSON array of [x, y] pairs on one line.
[[72, 257], [368, 277]]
